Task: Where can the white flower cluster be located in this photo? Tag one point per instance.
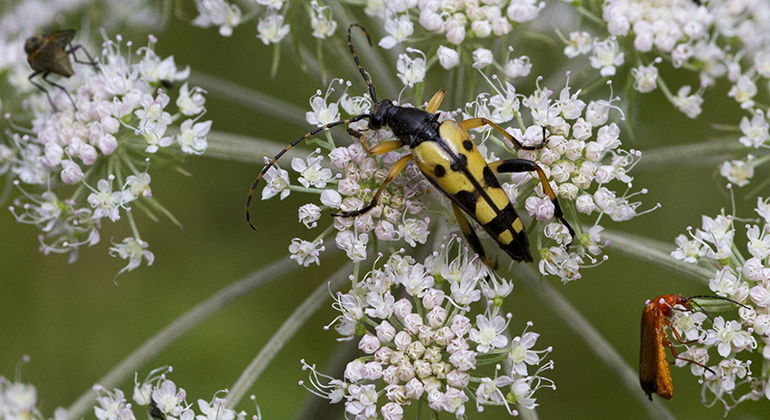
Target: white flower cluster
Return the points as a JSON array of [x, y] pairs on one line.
[[22, 19], [271, 14], [745, 278], [122, 120], [456, 20], [158, 397], [582, 158], [718, 40], [19, 401], [444, 343], [349, 184]]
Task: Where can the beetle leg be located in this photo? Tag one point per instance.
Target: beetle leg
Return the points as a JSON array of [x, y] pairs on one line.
[[675, 354], [382, 148], [41, 87], [471, 237], [526, 165], [478, 122], [676, 334], [392, 174], [435, 102], [45, 77], [385, 147]]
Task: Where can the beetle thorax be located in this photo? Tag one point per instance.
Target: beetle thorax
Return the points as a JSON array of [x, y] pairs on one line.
[[410, 125]]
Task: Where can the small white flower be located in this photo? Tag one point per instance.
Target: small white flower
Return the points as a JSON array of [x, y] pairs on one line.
[[106, 202], [411, 70], [743, 91], [217, 13], [271, 29], [305, 252], [524, 10], [190, 102], [321, 20], [354, 246], [139, 185], [645, 78], [540, 208], [518, 67], [415, 231], [488, 333], [312, 174], [277, 182], [689, 104], [71, 172], [133, 250], [579, 43], [737, 171], [322, 112], [755, 131], [309, 215], [606, 57], [447, 57], [398, 30], [192, 136], [482, 57]]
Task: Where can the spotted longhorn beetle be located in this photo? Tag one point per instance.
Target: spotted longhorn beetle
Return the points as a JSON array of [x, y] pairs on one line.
[[446, 155]]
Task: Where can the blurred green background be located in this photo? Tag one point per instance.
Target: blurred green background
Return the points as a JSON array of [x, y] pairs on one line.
[[76, 324]]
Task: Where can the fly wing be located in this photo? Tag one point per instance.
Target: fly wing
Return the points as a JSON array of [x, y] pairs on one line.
[[651, 373], [60, 39], [53, 53]]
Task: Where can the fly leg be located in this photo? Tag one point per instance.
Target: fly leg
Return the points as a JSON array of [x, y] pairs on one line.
[[90, 61], [41, 87], [45, 78]]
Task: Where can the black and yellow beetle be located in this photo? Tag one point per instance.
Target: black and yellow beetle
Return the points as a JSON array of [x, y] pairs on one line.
[[447, 156]]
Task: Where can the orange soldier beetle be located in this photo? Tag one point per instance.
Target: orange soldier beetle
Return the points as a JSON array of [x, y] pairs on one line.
[[654, 373]]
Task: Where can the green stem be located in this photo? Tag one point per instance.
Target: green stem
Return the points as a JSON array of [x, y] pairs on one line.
[[250, 98], [239, 148], [370, 56], [655, 252], [528, 413], [580, 325], [163, 338], [697, 154], [287, 330]]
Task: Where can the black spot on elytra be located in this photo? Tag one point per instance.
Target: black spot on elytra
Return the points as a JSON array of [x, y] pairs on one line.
[[467, 200], [468, 145], [498, 225], [489, 177], [502, 221], [439, 171], [459, 163]]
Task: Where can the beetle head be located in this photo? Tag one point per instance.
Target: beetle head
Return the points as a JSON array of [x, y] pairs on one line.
[[380, 113]]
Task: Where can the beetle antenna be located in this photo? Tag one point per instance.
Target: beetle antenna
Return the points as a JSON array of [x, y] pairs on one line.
[[363, 72], [286, 149], [717, 298], [702, 310]]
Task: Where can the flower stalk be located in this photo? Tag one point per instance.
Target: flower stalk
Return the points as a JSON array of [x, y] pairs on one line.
[[163, 338], [287, 330]]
